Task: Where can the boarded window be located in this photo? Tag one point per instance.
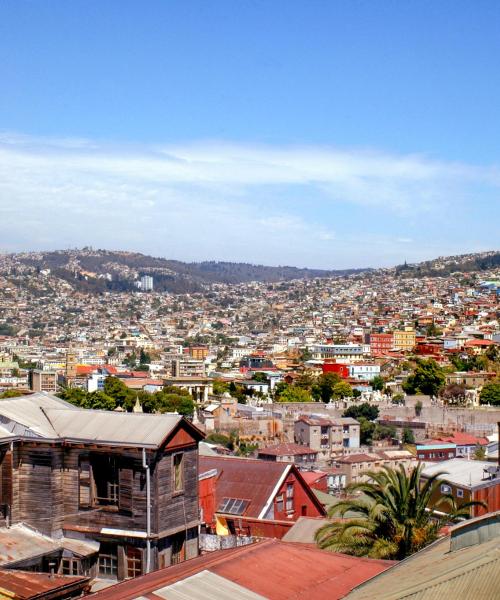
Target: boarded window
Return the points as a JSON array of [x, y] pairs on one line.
[[126, 480], [6, 482], [84, 482], [178, 469]]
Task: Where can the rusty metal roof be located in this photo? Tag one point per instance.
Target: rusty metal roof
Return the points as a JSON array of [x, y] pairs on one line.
[[274, 569], [21, 542], [26, 585], [247, 479]]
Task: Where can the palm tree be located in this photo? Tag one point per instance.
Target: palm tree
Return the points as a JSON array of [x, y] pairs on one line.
[[394, 517]]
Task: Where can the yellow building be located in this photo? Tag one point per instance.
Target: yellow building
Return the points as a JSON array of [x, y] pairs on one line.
[[404, 340]]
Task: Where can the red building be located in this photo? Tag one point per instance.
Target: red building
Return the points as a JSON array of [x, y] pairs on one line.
[[253, 497], [381, 343], [340, 369]]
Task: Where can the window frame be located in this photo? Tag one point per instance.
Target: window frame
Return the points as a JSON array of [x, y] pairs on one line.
[[175, 488], [107, 562]]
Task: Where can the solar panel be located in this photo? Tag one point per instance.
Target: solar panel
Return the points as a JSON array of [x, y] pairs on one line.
[[233, 506]]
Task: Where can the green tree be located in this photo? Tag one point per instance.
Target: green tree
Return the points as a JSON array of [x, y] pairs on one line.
[[260, 377], [179, 403], [342, 390], [220, 387], [398, 399], [490, 394], [305, 381], [418, 408], [144, 357], [323, 388], [384, 432], [116, 389], [377, 383], [479, 452], [366, 431], [293, 393], [428, 378], [408, 437], [100, 401], [366, 410], [396, 515], [218, 438]]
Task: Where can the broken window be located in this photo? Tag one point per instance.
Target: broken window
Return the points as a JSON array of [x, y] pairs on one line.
[[178, 469], [106, 477]]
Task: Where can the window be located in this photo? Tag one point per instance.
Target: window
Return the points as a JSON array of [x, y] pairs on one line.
[[279, 503], [460, 493], [324, 430], [108, 561], [178, 469], [450, 455], [289, 504], [233, 506], [134, 561], [289, 490], [70, 566], [445, 489], [105, 476]]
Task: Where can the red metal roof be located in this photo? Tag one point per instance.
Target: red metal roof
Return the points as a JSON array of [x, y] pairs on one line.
[[246, 479], [277, 570], [253, 480], [26, 584]]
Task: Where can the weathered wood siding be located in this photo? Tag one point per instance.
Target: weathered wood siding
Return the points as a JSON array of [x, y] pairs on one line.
[[176, 510]]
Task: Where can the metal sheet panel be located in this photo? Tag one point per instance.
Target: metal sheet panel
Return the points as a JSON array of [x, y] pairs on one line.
[[206, 586]]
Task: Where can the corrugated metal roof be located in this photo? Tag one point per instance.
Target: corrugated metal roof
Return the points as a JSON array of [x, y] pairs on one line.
[[436, 573], [26, 410], [304, 529], [44, 415], [206, 586], [459, 471], [141, 429], [25, 585], [274, 569], [20, 542], [247, 479]]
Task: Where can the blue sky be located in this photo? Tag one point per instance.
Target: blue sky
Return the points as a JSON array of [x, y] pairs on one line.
[[314, 133]]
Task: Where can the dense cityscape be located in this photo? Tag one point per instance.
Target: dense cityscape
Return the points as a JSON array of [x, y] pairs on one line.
[[277, 402]]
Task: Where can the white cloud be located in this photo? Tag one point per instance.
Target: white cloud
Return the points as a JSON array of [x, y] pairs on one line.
[[218, 200]]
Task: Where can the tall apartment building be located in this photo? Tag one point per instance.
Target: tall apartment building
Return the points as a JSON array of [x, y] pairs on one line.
[[147, 283], [43, 381], [404, 339], [329, 437], [187, 367]]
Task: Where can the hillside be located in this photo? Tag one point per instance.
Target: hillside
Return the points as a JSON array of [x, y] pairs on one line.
[[443, 266], [102, 270]]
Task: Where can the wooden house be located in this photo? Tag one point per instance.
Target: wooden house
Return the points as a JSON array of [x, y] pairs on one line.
[[125, 483]]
